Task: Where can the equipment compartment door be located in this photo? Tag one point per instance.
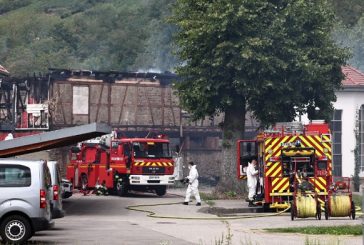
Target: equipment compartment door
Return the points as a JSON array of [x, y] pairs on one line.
[[246, 151]]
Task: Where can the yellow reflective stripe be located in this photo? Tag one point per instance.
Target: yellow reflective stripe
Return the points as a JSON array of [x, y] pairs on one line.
[[272, 167], [328, 147], [276, 151], [293, 139], [283, 140], [323, 185], [160, 164], [323, 180], [285, 187], [267, 156], [308, 144], [318, 185], [272, 144], [280, 183], [267, 140], [318, 145], [277, 172], [274, 181], [326, 138]]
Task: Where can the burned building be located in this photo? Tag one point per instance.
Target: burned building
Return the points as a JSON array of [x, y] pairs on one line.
[[133, 102], [23, 105]]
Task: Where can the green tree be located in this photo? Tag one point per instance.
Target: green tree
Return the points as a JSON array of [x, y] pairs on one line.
[[274, 58]]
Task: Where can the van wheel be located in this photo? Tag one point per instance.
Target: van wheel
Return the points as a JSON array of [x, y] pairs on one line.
[[161, 190], [15, 229]]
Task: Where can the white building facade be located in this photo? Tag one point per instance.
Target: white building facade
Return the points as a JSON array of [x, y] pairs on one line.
[[347, 125]]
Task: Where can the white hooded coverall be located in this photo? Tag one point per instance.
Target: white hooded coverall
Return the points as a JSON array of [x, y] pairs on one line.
[[252, 180], [193, 185]]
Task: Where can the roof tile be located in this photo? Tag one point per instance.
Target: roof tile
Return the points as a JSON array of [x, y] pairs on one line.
[[353, 77]]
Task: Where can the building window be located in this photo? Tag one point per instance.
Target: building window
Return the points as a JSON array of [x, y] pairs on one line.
[[80, 100], [361, 137], [336, 126]]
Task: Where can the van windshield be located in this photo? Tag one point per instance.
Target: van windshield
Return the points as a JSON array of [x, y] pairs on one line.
[[151, 150]]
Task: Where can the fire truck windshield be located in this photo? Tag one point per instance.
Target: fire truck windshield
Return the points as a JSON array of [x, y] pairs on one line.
[[151, 150]]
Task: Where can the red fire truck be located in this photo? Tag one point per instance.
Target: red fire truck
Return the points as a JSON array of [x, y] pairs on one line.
[[123, 164], [287, 154]]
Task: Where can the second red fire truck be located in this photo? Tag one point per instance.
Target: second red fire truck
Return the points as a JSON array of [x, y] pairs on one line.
[[288, 154], [123, 164]]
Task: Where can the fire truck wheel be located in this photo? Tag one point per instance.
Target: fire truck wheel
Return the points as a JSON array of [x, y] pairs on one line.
[[352, 210], [326, 210], [161, 190], [121, 189]]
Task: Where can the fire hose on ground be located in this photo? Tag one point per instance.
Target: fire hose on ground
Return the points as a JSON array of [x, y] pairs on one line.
[[152, 214]]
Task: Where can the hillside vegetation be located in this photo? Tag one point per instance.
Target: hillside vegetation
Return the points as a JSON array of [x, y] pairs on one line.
[[113, 34], [84, 34]]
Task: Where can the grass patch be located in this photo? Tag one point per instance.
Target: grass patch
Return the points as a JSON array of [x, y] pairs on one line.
[[355, 230], [208, 196], [210, 202]]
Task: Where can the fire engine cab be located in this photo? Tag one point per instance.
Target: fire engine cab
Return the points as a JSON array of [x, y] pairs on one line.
[[287, 154], [123, 164]]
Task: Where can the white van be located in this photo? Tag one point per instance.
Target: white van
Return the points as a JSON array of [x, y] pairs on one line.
[[24, 199]]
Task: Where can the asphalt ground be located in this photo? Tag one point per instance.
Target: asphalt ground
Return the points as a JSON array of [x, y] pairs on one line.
[[105, 220]]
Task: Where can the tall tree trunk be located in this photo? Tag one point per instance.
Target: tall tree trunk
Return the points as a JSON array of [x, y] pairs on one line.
[[233, 130]]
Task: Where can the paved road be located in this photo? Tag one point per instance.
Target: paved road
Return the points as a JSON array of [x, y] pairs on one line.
[[104, 220]]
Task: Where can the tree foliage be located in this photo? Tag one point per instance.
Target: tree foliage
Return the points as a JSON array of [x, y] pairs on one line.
[[278, 56], [274, 58]]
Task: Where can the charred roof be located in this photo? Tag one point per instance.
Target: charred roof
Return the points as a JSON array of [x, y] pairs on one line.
[[165, 78]]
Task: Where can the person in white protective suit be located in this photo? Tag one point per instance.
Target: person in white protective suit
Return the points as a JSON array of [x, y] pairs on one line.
[[252, 174], [192, 180]]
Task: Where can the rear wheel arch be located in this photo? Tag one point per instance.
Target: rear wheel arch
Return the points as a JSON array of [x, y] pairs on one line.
[[17, 213]]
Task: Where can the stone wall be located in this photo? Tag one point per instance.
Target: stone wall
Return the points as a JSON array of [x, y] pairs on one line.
[[208, 164]]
